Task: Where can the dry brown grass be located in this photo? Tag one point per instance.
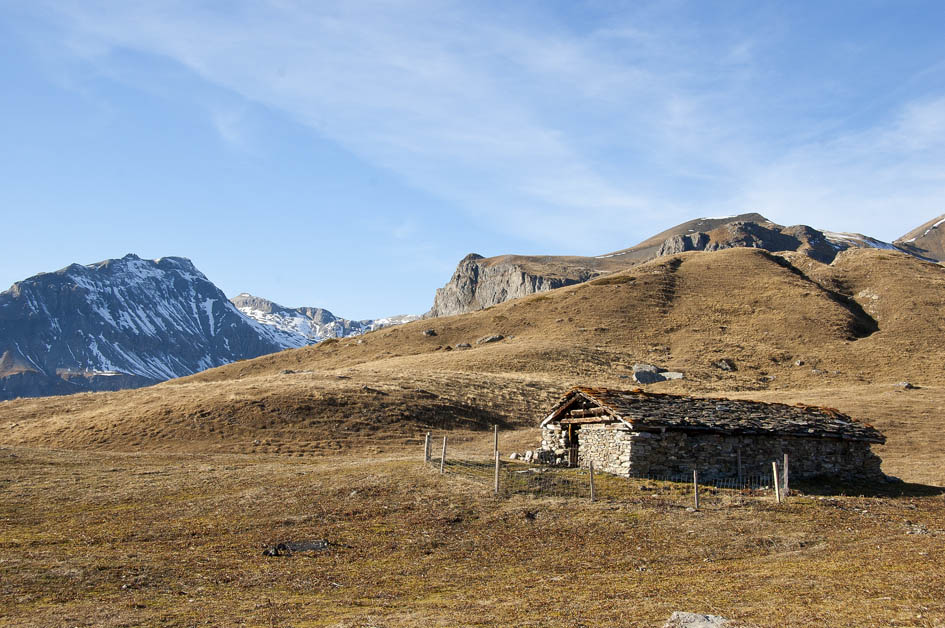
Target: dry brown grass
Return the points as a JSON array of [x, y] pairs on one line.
[[172, 490], [106, 539], [858, 326]]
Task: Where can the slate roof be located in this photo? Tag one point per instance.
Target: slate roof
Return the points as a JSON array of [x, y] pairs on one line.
[[646, 410]]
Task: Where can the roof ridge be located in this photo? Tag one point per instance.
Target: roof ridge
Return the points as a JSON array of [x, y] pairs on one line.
[[744, 415], [652, 394]]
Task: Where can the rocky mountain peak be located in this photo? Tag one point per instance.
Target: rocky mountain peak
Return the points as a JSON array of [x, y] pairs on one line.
[[481, 282], [308, 325], [926, 240], [120, 323]]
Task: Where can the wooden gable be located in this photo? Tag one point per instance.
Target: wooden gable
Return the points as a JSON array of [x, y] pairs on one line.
[[578, 408]]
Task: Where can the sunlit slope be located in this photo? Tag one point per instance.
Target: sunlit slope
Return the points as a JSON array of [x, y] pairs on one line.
[[683, 312], [927, 239], [867, 321]]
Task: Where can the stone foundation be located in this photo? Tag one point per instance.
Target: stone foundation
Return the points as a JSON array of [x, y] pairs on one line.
[[616, 449]]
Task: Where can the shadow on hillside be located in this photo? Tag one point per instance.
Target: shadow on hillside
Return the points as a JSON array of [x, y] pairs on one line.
[[862, 324], [457, 415], [871, 489]]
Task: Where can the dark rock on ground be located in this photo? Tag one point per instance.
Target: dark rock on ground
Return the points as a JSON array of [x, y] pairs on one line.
[[292, 547], [650, 374]]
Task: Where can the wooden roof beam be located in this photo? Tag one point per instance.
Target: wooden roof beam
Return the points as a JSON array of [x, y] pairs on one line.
[[598, 411], [588, 419]]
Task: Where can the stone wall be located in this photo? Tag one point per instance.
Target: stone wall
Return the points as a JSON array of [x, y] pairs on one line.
[[554, 445], [614, 448]]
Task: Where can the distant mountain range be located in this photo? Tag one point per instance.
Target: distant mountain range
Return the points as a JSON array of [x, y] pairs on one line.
[[480, 282], [308, 325], [130, 322]]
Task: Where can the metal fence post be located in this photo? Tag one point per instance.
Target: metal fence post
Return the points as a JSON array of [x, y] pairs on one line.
[[426, 449]]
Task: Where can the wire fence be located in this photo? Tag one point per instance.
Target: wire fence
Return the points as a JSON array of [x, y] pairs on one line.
[[513, 477]]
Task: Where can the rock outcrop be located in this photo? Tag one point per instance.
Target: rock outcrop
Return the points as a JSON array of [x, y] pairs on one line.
[[818, 245], [479, 282]]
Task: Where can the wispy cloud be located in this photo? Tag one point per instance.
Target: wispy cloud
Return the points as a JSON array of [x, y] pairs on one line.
[[536, 125], [229, 126], [863, 178]]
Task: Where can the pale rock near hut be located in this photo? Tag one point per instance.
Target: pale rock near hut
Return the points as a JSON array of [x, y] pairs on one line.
[[650, 374], [681, 619]]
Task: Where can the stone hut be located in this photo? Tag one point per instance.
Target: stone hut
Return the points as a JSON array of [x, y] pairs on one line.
[[638, 433]]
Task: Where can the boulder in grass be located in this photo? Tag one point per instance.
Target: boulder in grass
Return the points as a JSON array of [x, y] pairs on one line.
[[487, 339], [650, 374], [680, 619], [647, 373]]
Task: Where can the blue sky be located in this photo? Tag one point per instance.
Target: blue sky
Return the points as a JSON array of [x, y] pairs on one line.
[[347, 155]]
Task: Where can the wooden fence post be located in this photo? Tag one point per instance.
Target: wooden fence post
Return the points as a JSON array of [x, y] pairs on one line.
[[784, 483], [777, 488], [443, 456], [426, 449], [593, 492], [695, 487], [497, 465]]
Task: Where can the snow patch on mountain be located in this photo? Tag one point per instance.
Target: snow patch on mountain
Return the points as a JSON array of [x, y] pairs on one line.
[[147, 320], [845, 240], [309, 325]]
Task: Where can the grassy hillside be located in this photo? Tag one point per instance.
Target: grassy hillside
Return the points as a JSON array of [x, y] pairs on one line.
[[842, 334], [105, 539], [152, 506]]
